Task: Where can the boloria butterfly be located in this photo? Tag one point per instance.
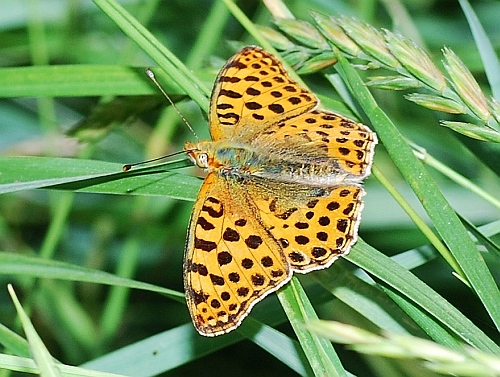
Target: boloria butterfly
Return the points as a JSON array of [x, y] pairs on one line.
[[282, 193]]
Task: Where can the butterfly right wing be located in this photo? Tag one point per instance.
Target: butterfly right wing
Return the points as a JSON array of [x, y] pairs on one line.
[[322, 138], [252, 92], [231, 261]]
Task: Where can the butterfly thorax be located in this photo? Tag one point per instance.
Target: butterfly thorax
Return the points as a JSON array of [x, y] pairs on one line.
[[239, 160]]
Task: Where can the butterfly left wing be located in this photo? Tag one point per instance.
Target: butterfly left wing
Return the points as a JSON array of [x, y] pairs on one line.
[[231, 261], [252, 92]]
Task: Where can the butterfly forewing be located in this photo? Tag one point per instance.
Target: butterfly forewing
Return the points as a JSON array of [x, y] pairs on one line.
[[252, 92], [323, 138]]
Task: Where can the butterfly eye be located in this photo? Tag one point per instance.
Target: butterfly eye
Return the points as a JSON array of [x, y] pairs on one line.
[[202, 160]]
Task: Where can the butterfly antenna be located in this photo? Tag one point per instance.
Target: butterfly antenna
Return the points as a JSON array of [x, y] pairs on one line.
[[152, 76], [127, 167]]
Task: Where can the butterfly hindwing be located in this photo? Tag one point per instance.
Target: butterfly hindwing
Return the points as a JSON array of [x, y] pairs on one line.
[[312, 225]]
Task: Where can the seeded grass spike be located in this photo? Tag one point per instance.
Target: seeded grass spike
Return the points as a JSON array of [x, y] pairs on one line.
[[283, 191], [455, 91]]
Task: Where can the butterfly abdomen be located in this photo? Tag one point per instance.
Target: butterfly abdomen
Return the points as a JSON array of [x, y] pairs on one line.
[[302, 173], [242, 160]]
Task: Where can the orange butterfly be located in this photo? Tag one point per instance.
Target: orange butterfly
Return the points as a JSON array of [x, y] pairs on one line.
[[283, 191]]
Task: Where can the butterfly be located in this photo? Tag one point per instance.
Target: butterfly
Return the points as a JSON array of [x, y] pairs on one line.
[[282, 192]]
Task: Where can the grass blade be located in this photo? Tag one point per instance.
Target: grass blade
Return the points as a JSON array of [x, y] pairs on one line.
[[320, 353], [486, 50], [21, 364], [439, 210], [420, 294], [17, 264], [170, 64], [41, 355]]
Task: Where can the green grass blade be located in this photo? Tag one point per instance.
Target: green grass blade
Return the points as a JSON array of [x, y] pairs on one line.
[[403, 281], [181, 345], [170, 64], [450, 173], [78, 81], [21, 364], [320, 353], [41, 355], [17, 264], [481, 238], [486, 50], [14, 343], [278, 345], [465, 361], [249, 26], [161, 352], [433, 329], [24, 173], [364, 297], [417, 220], [439, 210]]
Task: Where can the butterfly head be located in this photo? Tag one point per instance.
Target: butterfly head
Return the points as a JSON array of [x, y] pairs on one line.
[[200, 153]]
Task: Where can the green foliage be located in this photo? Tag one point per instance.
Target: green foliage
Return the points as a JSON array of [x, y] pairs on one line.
[[95, 253]]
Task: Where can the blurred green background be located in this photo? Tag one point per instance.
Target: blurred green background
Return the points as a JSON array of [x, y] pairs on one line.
[[143, 237]]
